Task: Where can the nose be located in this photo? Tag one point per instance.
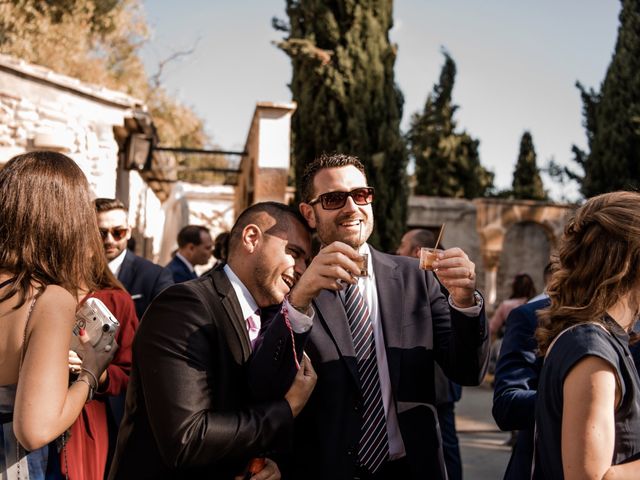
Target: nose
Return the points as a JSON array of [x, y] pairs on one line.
[[300, 267], [350, 205]]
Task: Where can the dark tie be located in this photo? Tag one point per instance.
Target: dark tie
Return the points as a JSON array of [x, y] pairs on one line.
[[374, 446]]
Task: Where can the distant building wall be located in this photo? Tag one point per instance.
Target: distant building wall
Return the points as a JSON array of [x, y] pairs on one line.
[[43, 110], [502, 237]]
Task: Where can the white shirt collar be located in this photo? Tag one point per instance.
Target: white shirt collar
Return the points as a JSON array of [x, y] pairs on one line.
[[247, 303], [116, 263], [186, 262]]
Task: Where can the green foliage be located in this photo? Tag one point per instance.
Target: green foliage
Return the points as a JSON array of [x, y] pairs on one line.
[[96, 41], [527, 183], [343, 83], [611, 117], [447, 162]]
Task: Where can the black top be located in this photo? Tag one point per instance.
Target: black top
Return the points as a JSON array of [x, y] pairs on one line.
[[612, 345]]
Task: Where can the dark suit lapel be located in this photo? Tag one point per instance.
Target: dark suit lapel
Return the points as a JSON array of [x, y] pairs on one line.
[[125, 275], [331, 309], [232, 307], [390, 303]]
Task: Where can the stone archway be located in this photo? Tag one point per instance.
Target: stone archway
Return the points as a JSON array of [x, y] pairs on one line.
[[494, 217]]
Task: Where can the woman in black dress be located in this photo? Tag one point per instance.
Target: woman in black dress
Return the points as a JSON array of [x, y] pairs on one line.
[[588, 408]]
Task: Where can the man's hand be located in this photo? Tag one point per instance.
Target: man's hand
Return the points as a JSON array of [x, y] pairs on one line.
[[458, 275], [303, 384], [269, 472], [330, 269]]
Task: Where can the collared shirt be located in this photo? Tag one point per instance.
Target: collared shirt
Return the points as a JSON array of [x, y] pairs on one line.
[[300, 322], [116, 263], [367, 287], [186, 262]]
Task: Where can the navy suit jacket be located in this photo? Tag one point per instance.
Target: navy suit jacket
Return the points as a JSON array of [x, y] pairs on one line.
[[516, 384], [419, 329], [143, 279], [180, 271]]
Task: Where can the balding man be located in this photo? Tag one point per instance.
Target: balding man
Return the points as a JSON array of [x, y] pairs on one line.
[[447, 392]]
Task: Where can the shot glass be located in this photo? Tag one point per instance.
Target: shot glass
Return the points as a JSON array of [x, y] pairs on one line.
[[363, 264], [427, 256]]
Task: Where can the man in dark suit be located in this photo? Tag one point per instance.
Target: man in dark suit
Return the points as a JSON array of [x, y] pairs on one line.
[[194, 248], [374, 341], [142, 279], [190, 413], [446, 391]]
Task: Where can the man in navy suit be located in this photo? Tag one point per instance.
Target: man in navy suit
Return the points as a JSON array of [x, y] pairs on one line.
[[375, 338], [141, 278], [194, 248]]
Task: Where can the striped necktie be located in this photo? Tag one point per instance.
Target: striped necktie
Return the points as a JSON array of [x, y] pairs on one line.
[[373, 448]]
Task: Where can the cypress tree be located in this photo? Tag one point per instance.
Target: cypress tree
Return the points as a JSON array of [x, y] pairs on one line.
[[614, 160], [447, 163], [343, 83], [527, 183]]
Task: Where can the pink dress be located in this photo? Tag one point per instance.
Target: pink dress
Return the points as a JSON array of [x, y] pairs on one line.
[[503, 310]]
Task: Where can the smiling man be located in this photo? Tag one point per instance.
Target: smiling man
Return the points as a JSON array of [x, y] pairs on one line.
[[142, 278], [375, 337], [189, 411]]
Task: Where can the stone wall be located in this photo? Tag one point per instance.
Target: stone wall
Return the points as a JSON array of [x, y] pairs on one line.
[[43, 110]]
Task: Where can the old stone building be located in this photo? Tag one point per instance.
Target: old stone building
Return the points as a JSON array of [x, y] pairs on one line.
[[502, 237]]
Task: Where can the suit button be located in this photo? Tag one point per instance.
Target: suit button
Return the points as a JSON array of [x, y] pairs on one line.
[[350, 452]]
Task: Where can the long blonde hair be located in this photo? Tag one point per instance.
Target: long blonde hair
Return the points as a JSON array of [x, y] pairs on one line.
[[598, 262]]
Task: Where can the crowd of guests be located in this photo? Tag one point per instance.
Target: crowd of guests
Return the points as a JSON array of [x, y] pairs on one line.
[[280, 363]]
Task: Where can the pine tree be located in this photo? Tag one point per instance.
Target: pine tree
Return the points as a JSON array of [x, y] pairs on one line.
[[527, 183], [343, 83], [447, 163], [613, 162]]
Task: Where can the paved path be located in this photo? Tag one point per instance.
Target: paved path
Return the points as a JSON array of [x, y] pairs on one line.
[[484, 455]]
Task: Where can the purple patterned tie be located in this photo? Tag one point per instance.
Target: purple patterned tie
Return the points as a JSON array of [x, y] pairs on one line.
[[373, 448]]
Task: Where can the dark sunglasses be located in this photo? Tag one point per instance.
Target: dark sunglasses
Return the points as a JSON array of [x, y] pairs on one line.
[[335, 200], [118, 233]]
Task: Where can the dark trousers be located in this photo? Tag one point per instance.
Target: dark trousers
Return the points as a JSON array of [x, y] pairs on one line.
[[394, 470], [447, 420]]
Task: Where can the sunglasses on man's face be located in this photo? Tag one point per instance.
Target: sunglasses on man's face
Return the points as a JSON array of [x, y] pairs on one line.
[[118, 233], [335, 200]]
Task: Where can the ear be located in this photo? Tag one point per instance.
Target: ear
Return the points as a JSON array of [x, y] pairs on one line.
[[128, 236], [416, 252], [251, 236], [309, 215]]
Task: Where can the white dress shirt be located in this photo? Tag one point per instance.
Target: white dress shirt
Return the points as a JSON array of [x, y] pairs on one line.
[[116, 263], [367, 287], [186, 262]]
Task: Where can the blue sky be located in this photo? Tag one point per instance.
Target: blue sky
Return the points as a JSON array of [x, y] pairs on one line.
[[517, 66]]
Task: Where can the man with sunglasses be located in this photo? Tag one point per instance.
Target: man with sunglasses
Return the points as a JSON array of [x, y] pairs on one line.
[[142, 278], [374, 339]]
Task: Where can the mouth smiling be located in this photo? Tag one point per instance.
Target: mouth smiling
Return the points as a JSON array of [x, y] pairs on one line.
[[288, 281]]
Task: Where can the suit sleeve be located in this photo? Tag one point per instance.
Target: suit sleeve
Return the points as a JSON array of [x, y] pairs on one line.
[[175, 349], [461, 342], [272, 366], [517, 371], [163, 280]]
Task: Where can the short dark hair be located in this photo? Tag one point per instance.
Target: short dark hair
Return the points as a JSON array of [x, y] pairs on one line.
[[221, 246], [108, 204], [423, 238], [334, 160], [281, 213], [191, 234]]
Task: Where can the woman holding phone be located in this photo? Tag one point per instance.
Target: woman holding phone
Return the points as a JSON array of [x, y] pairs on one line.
[[588, 406], [48, 233]]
